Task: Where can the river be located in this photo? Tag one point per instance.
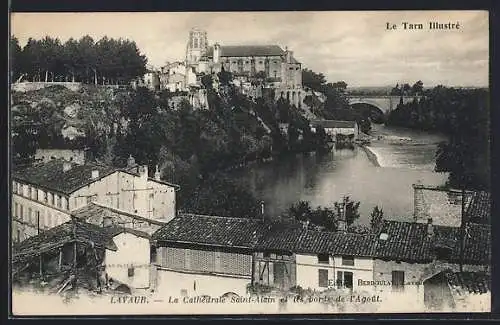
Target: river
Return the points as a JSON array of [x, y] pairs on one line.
[[383, 175]]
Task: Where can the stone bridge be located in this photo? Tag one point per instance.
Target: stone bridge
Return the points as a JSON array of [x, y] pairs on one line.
[[384, 103]]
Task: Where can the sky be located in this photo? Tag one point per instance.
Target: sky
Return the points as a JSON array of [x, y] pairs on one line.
[[355, 47]]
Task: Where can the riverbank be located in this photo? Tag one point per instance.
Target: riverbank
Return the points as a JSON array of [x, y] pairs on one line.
[[372, 157]]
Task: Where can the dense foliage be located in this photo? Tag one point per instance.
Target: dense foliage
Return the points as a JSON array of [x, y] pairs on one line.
[[462, 114], [107, 61], [326, 218], [189, 146]]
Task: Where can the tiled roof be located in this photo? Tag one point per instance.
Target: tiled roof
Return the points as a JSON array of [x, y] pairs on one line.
[[409, 241], [94, 209], [248, 50], [213, 231], [479, 210], [334, 124], [470, 282], [63, 234], [51, 176], [298, 240]]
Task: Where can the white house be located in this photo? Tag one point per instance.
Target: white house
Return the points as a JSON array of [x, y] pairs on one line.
[[312, 259], [333, 127], [44, 195], [129, 262], [205, 255]]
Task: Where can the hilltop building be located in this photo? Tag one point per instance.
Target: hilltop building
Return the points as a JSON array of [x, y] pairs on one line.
[[268, 65]]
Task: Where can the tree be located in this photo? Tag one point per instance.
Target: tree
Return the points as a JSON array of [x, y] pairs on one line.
[[417, 88], [396, 91], [15, 53], [219, 195], [325, 218], [351, 209], [313, 80], [376, 219], [300, 211], [406, 89]]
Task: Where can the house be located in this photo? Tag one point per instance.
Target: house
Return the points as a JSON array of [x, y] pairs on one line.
[[103, 254], [44, 195], [173, 77], [313, 259], [78, 156], [458, 291], [407, 253], [130, 262], [333, 128], [197, 254]]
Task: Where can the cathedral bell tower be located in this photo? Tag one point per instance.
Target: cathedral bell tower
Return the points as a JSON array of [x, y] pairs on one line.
[[196, 46]]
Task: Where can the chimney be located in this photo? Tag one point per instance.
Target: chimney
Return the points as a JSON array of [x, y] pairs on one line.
[[143, 171], [95, 174], [157, 173], [131, 161], [430, 227], [418, 201], [342, 223], [66, 166], [305, 224]]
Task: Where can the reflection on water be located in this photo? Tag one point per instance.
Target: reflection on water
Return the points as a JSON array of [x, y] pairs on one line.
[[324, 179]]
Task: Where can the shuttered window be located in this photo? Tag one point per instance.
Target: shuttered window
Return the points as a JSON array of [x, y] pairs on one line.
[[206, 261], [323, 278], [398, 280]]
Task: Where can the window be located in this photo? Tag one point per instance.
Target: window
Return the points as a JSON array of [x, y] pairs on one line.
[[37, 215], [36, 194], [30, 212], [58, 201], [344, 279], [45, 199], [323, 258], [51, 199], [21, 214], [16, 210], [67, 204], [130, 271], [348, 260], [398, 280], [323, 278], [267, 254]]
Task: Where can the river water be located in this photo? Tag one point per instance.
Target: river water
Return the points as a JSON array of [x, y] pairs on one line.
[[398, 159]]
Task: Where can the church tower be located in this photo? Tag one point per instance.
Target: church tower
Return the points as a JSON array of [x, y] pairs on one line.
[[196, 46]]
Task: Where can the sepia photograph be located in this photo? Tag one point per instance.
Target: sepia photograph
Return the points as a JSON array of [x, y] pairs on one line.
[[231, 163]]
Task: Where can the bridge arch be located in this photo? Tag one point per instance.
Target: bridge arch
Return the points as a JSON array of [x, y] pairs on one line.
[[384, 105]]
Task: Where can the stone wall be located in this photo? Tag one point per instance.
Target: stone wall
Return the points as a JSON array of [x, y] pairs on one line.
[[443, 206], [30, 86]]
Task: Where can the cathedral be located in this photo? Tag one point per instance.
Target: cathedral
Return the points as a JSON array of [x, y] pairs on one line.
[[276, 67]]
